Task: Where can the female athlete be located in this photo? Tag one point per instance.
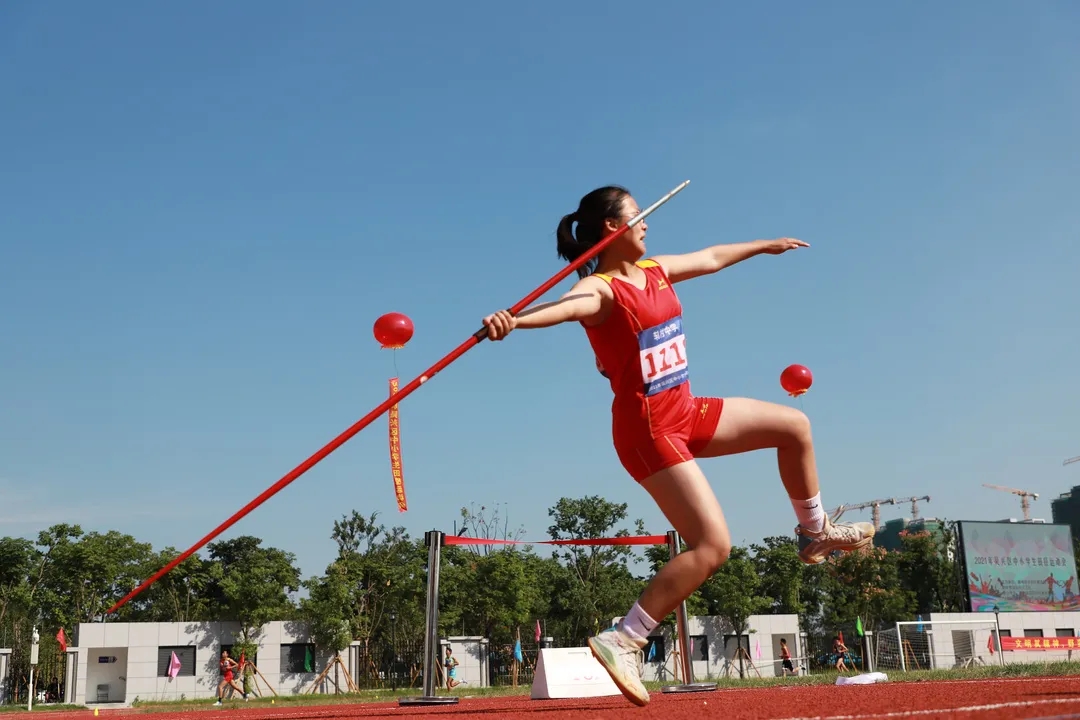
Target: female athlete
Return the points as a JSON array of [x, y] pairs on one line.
[[227, 665], [632, 318]]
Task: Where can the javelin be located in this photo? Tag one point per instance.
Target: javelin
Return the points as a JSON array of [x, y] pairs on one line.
[[397, 397]]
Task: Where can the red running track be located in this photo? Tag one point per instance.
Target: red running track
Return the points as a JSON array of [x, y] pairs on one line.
[[1031, 698]]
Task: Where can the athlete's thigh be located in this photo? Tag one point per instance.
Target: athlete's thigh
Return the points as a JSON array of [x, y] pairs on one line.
[[746, 425], [683, 494]]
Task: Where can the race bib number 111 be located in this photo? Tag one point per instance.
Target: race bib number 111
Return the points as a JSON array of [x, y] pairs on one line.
[[662, 350]]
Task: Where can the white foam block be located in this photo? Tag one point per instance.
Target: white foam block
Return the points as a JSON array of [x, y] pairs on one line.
[[570, 673], [863, 679]]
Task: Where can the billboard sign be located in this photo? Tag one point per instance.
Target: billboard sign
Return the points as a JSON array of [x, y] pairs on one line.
[[1019, 567]]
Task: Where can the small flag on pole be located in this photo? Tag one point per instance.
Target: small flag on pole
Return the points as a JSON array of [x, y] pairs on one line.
[[517, 650], [62, 640], [858, 625], [174, 665], [537, 631], [990, 643]]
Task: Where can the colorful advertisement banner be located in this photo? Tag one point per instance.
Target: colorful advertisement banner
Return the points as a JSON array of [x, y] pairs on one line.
[[395, 451], [1019, 567]]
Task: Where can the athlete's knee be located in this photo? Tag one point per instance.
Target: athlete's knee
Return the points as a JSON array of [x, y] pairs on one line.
[[712, 554], [797, 425]]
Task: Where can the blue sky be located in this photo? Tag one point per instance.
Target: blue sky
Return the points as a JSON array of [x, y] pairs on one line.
[[205, 207]]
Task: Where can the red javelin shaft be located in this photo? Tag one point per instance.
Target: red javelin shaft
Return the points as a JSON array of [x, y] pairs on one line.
[[397, 397]]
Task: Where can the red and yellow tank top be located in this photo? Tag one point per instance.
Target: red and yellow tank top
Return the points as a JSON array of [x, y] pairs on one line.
[[642, 350]]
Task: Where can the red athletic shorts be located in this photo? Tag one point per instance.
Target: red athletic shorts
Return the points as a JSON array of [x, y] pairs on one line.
[[642, 454], [228, 676]]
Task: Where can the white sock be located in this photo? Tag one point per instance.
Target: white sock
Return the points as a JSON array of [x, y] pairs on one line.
[[637, 624], [810, 513]]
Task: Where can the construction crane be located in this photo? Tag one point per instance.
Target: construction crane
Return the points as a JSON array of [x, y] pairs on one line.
[[876, 505], [915, 504], [1024, 495]]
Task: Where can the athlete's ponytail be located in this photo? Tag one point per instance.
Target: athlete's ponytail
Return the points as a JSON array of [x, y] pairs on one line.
[[593, 210]]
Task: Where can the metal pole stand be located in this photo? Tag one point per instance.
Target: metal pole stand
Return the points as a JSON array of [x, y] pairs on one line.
[[434, 540], [868, 651], [34, 640], [682, 626]]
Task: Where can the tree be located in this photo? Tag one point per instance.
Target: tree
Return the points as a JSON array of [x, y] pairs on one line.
[[178, 596], [251, 585], [18, 558], [30, 598], [325, 609], [376, 572], [866, 584], [492, 594], [85, 578], [597, 583], [734, 593], [813, 591], [488, 525], [777, 563], [927, 573]]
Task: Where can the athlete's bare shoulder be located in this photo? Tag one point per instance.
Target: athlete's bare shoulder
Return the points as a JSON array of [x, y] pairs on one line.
[[595, 283], [597, 287]]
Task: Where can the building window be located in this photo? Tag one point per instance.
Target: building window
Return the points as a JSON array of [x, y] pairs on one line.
[[1006, 633], [730, 646], [1033, 633], [654, 649], [184, 653], [298, 658], [1065, 632], [699, 647]]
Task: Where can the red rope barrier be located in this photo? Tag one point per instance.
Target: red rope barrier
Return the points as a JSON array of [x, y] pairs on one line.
[[631, 540]]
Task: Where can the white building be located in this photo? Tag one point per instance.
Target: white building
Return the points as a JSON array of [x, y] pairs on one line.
[[122, 662], [946, 636], [716, 654]]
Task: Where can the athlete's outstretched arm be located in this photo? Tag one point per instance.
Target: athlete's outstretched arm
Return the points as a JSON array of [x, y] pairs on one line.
[[583, 302], [716, 258]]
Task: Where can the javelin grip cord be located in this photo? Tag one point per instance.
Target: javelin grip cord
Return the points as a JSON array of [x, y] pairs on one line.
[[397, 397]]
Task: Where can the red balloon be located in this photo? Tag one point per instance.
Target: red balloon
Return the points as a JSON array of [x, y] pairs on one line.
[[393, 330], [796, 379]]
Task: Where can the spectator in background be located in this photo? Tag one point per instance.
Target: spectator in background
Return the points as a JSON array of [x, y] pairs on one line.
[[52, 691], [227, 665], [451, 663], [840, 650], [785, 659]]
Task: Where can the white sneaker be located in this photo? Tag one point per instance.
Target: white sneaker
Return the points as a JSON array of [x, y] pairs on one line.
[[834, 537], [217, 703], [624, 662]]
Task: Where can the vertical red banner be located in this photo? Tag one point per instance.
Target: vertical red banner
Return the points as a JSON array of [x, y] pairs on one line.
[[395, 451]]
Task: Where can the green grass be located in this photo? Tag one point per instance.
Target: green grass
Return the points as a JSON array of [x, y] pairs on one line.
[[1054, 669]]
